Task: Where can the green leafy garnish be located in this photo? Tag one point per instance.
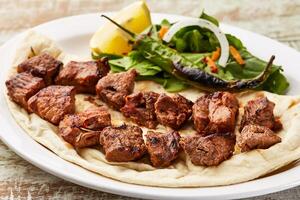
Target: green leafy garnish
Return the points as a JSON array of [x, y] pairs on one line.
[[147, 71], [155, 61], [234, 41], [137, 61], [276, 82], [209, 18]]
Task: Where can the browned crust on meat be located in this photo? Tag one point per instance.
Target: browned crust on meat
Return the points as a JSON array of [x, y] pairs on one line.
[[53, 102], [22, 86], [163, 148], [44, 66]]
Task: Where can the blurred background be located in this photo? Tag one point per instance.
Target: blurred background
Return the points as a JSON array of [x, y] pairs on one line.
[[278, 19]]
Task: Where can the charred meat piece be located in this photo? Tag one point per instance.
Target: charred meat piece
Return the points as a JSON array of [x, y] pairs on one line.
[[83, 129], [53, 102], [122, 144], [113, 88], [215, 113], [256, 137], [22, 86], [210, 150], [83, 75], [44, 66], [71, 131], [173, 111], [200, 114], [162, 147], [95, 118], [260, 112], [140, 108]]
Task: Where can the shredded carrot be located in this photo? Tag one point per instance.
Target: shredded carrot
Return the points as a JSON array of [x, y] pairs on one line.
[[163, 31], [216, 54], [236, 55], [211, 64]]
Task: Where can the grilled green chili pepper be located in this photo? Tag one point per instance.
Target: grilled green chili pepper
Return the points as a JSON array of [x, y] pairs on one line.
[[186, 70]]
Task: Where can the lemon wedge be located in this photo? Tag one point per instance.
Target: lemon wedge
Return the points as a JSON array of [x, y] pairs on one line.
[[110, 39]]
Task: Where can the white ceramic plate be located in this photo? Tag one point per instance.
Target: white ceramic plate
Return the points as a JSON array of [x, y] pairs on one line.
[[73, 34]]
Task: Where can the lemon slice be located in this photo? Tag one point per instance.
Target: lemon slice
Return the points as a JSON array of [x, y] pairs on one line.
[[110, 39]]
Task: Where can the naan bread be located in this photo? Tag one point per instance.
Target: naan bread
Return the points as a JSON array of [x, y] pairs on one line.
[[239, 168]]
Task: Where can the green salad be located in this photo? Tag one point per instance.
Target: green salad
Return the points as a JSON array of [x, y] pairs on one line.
[[191, 58]]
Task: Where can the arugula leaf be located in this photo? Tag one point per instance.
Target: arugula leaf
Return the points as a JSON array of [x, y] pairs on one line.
[[196, 57], [165, 22], [180, 45], [147, 71], [234, 41], [209, 18], [174, 85], [276, 83], [170, 83], [195, 41], [137, 61]]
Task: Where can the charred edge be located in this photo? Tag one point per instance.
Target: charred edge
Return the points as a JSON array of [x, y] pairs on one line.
[[257, 81], [200, 77]]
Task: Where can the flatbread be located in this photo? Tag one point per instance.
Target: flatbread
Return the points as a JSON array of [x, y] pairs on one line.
[[240, 167]]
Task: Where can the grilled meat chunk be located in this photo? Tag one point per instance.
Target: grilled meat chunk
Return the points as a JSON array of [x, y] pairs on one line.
[[44, 66], [200, 114], [122, 144], [260, 112], [140, 108], [53, 102], [256, 137], [83, 75], [162, 147], [113, 88], [210, 150], [95, 118], [173, 111], [215, 113], [22, 86], [83, 129]]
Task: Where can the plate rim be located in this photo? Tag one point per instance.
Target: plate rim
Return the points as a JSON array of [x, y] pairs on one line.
[[125, 191]]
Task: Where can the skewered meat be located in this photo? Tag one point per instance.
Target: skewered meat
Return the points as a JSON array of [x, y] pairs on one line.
[[22, 86], [113, 88], [173, 111], [210, 150], [256, 137], [83, 75], [44, 66], [83, 129], [215, 113], [162, 147], [260, 112], [53, 102], [122, 144], [140, 108]]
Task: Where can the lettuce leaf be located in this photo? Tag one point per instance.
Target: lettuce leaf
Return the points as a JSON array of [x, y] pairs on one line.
[[137, 61], [147, 71]]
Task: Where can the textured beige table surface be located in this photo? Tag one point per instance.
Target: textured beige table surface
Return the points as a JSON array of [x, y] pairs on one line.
[[278, 19]]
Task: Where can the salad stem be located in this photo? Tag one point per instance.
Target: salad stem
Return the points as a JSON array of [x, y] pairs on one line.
[[121, 27]]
